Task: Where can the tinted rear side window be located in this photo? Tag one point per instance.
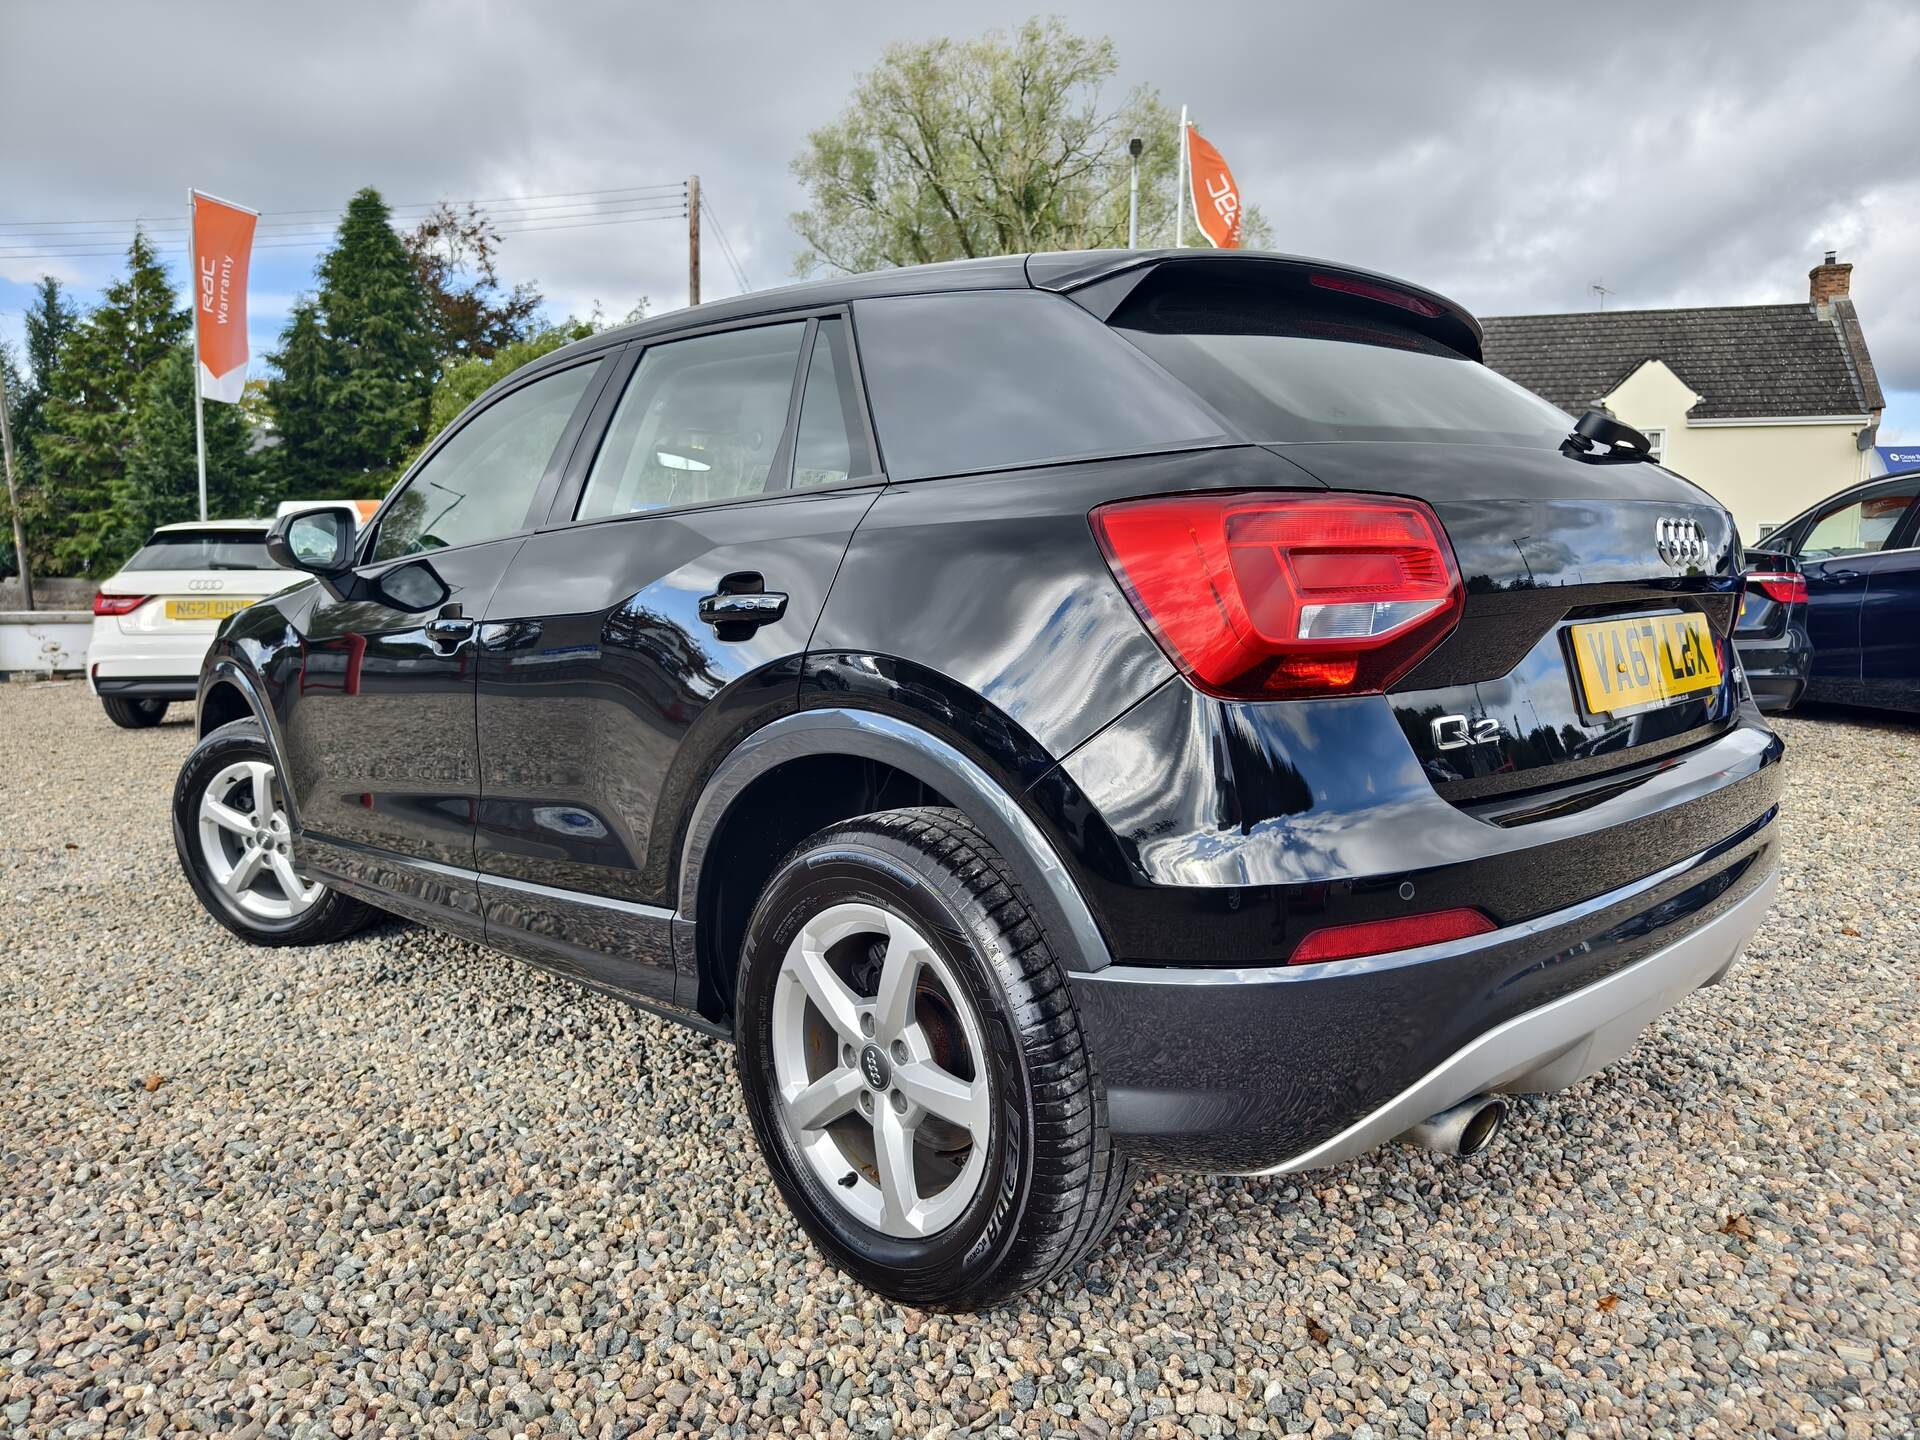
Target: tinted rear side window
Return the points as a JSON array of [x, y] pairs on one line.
[[1283, 361], [203, 550], [997, 379]]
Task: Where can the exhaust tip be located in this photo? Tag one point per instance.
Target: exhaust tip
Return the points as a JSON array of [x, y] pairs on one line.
[[1482, 1126], [1463, 1129]]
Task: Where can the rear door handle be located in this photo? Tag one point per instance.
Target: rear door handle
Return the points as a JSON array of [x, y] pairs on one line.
[[754, 609]]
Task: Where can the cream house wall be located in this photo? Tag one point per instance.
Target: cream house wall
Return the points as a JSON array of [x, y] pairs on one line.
[[1765, 472]]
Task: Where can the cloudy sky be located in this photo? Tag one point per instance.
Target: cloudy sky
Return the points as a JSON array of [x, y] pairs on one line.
[[1509, 155]]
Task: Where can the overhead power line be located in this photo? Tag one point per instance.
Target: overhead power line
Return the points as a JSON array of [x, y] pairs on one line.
[[726, 246], [314, 237], [423, 205], [277, 230]]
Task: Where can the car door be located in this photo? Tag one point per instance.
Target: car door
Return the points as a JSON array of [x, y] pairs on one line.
[[379, 721], [1834, 552], [1890, 620], [666, 604]]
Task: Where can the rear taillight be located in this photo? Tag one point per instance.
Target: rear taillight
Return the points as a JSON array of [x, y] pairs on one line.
[[118, 604], [1257, 596], [1377, 937], [1779, 586]]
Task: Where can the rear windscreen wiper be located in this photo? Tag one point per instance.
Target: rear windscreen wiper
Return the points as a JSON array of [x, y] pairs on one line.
[[1625, 445]]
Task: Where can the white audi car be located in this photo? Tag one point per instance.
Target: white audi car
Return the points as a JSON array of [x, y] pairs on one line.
[[154, 620]]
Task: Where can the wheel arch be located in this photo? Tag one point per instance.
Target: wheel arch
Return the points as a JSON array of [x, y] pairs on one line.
[[807, 770], [221, 703], [229, 692]]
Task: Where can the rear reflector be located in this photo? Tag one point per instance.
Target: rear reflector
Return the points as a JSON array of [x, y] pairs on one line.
[[118, 604], [1377, 937], [1779, 587], [1258, 596]]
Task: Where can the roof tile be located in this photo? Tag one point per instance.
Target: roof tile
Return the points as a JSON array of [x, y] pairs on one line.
[[1744, 361]]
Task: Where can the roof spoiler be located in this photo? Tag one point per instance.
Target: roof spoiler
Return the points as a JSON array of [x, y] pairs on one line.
[[1100, 280]]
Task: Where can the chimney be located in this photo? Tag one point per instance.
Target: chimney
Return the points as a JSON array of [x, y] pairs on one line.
[[1828, 280]]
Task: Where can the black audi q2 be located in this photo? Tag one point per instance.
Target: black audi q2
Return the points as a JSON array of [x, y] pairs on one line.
[[1055, 714]]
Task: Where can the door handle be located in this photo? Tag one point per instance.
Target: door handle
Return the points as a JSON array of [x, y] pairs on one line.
[[1840, 577], [449, 628], [760, 608]]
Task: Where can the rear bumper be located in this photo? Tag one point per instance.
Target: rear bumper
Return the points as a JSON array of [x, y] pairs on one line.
[[1280, 1069], [137, 688], [1776, 669], [117, 658], [1774, 693]]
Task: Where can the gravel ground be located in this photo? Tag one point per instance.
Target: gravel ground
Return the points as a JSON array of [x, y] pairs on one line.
[[404, 1185]]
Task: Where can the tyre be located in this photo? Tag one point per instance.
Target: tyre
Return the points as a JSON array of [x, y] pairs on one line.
[[914, 1069], [231, 830], [133, 714]]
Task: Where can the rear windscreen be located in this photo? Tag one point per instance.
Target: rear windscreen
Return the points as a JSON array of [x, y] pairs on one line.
[[203, 550], [1286, 362]]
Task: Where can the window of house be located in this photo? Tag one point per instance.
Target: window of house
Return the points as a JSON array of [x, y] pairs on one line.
[[479, 484], [701, 420], [1656, 444]]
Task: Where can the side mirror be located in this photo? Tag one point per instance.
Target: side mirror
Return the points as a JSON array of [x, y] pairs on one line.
[[318, 541]]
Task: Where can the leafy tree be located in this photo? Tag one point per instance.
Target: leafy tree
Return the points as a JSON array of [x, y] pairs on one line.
[[162, 479], [465, 381], [82, 449], [454, 256], [356, 362], [987, 147]]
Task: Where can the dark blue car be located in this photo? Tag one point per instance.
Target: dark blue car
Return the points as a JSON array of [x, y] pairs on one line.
[[1855, 639]]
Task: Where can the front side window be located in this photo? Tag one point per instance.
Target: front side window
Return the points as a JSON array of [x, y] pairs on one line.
[[479, 484], [701, 420], [1859, 526]]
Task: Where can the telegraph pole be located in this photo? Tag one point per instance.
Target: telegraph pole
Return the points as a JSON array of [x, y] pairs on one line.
[[693, 240], [13, 498], [1134, 147]]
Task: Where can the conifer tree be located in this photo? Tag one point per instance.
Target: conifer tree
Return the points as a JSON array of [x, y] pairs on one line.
[[162, 479], [359, 362], [88, 421], [296, 404]]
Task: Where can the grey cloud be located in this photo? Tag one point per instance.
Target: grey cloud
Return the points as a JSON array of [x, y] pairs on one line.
[[1507, 154]]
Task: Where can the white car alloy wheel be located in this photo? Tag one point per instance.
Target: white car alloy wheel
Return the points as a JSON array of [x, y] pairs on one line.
[[246, 843], [881, 1070]]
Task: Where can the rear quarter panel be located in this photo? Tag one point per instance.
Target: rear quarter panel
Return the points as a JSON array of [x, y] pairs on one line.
[[982, 607]]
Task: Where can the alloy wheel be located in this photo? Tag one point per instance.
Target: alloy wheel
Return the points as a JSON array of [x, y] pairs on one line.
[[246, 842], [881, 1070]]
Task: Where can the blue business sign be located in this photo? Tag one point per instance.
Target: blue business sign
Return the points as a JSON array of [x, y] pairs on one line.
[[1898, 457]]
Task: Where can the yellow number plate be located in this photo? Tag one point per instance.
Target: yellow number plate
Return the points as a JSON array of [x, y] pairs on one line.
[[1624, 663], [204, 609]]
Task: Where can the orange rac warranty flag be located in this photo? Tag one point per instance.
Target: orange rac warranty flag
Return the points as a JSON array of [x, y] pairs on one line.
[[222, 246], [1216, 199]]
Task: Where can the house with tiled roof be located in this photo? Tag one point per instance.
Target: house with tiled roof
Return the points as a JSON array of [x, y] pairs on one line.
[[1767, 407]]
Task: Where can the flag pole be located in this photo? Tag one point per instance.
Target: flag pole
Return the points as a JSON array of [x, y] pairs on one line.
[[193, 303], [1180, 189]]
